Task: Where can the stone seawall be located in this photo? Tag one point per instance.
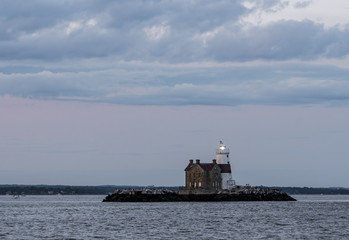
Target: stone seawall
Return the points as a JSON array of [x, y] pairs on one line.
[[244, 194]]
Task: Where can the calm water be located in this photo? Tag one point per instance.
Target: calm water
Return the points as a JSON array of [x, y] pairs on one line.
[[86, 217]]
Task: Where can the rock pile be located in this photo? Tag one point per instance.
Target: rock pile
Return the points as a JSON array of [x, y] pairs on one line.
[[239, 194]]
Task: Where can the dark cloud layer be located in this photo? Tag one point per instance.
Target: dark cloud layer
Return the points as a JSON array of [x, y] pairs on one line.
[[284, 84], [150, 52], [280, 41], [163, 31]]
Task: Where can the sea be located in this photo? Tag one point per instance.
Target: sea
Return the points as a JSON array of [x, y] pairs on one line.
[[87, 217]]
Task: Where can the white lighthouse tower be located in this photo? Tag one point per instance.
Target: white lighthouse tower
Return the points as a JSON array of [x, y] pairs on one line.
[[222, 157], [222, 154]]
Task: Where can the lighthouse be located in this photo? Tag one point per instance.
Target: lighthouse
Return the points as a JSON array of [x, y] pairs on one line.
[[222, 154], [222, 157], [210, 177]]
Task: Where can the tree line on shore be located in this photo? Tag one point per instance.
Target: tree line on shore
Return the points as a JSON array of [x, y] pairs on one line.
[[13, 189]]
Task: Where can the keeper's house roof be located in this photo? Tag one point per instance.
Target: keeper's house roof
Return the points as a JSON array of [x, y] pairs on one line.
[[209, 166]]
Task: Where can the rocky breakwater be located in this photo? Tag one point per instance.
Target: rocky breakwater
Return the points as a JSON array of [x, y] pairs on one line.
[[237, 194]]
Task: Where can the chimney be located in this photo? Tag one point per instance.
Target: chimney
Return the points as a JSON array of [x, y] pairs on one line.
[[197, 161], [214, 161], [191, 161]]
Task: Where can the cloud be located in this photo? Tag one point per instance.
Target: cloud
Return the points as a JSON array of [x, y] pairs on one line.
[[281, 40], [157, 32], [302, 4], [266, 5], [169, 52], [162, 31], [284, 84]]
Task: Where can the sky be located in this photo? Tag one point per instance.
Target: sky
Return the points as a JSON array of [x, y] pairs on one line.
[[126, 92]]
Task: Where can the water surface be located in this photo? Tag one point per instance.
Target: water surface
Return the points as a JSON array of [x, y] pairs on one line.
[[86, 217]]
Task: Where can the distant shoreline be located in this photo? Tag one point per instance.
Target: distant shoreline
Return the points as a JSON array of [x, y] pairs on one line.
[[16, 189]]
